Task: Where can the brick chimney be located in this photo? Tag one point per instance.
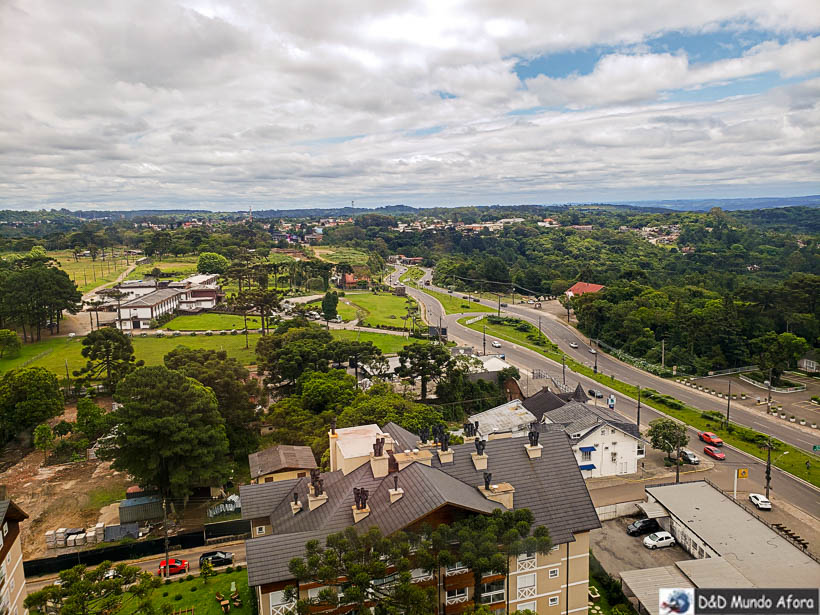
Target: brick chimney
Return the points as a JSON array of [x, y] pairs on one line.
[[379, 459], [497, 492]]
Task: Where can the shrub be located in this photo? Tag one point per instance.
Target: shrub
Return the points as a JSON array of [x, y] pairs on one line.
[[229, 570], [193, 588], [189, 577], [164, 594], [168, 582], [240, 568], [177, 596], [192, 334]]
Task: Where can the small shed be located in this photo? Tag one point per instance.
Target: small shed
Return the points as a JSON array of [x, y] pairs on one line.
[[145, 508]]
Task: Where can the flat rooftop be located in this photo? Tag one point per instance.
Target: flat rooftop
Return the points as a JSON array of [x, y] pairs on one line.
[[759, 553], [358, 441]]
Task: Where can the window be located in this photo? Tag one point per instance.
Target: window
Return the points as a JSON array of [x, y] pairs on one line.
[[260, 530], [277, 598], [641, 449], [5, 528], [313, 592], [492, 592], [526, 605], [553, 573], [526, 556], [457, 593], [526, 580], [586, 455], [614, 444], [553, 600], [554, 548], [454, 567], [603, 432], [614, 457], [386, 580]]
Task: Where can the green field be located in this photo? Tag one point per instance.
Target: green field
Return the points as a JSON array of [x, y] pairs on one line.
[[382, 310], [794, 462], [212, 322], [203, 597], [347, 312], [54, 354], [342, 255], [178, 267], [454, 304], [411, 276], [88, 274]]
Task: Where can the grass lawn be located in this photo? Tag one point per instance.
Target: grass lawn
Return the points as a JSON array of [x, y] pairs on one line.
[[346, 311], [411, 276], [342, 255], [180, 266], [54, 354], [387, 343], [200, 595], [88, 274], [382, 309], [794, 462], [212, 322], [454, 304]]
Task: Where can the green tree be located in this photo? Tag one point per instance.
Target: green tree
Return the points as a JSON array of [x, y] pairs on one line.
[[424, 362], [350, 566], [28, 397], [354, 353], [329, 305], [236, 392], [94, 592], [295, 347], [169, 432], [63, 428], [667, 435], [206, 571], [92, 421], [110, 357], [778, 352], [381, 404], [10, 343], [211, 262], [43, 439]]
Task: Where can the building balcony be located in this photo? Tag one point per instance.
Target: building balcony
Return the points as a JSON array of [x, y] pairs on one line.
[[283, 609], [526, 592], [456, 600]]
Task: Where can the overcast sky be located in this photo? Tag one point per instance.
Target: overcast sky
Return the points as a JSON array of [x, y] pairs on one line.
[[303, 103]]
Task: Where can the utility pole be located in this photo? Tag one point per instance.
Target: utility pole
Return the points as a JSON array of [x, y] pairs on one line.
[[728, 403], [663, 353], [564, 368], [769, 402], [539, 327], [485, 340], [595, 368], [768, 467], [167, 569], [677, 467], [638, 420]]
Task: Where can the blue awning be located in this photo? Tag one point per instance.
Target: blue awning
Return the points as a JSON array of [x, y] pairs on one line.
[[586, 449], [588, 466]]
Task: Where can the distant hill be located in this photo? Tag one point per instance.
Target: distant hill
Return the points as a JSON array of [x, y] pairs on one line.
[[730, 204]]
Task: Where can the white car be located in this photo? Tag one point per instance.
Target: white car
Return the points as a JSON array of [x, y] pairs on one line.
[[658, 540], [573, 345], [496, 344], [593, 351], [761, 501]]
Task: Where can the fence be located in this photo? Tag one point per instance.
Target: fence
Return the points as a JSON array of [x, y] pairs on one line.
[[652, 368], [760, 385], [473, 320], [621, 509], [734, 370]]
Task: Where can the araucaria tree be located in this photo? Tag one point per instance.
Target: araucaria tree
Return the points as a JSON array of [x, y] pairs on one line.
[[350, 568], [27, 397], [424, 362], [169, 433], [110, 357], [329, 305]]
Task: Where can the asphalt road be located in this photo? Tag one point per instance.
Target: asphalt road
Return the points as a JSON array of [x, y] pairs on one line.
[[783, 485]]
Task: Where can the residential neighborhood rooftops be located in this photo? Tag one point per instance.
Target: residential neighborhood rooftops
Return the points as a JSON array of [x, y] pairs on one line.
[[279, 458]]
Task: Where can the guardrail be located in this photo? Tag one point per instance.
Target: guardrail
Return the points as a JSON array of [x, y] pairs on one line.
[[760, 385]]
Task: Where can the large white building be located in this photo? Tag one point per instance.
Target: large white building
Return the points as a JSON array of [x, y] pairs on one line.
[[139, 312]]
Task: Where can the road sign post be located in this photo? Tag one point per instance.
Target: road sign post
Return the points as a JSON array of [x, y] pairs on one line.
[[741, 473]]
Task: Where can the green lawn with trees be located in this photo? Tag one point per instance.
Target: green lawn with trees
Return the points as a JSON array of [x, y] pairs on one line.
[[385, 310], [456, 304], [212, 321]]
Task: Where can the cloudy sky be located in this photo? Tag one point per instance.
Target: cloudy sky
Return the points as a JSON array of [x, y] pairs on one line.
[[285, 104]]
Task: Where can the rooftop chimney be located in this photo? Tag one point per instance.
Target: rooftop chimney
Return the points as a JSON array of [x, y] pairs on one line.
[[378, 459], [316, 490], [479, 458], [296, 505], [500, 492], [333, 437], [533, 448], [360, 508], [395, 492]]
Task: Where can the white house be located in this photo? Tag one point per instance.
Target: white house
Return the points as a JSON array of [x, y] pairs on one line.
[[139, 312]]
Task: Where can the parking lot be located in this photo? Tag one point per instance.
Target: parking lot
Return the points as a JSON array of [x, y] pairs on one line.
[[618, 552]]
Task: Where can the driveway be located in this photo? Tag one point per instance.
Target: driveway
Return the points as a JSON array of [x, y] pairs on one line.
[[618, 552]]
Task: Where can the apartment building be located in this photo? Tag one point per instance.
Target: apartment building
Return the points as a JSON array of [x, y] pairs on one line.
[[12, 578], [411, 483]]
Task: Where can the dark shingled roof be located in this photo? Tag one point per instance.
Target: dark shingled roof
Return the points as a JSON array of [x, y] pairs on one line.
[[550, 486], [404, 439], [282, 457], [578, 418], [543, 401], [260, 500], [577, 395], [10, 510]]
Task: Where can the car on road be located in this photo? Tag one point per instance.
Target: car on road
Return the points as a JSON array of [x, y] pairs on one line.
[[689, 457], [465, 297], [175, 566], [714, 452], [502, 304], [573, 345], [217, 558], [710, 438], [496, 344], [476, 300], [450, 291], [761, 501], [592, 351], [595, 393], [530, 301], [642, 526], [658, 540]]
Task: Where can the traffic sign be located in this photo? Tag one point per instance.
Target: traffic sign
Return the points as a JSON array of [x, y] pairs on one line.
[[743, 472]]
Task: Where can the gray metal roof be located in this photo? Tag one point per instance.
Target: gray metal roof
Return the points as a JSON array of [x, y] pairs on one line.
[[404, 439], [508, 417], [543, 401], [153, 298], [550, 486], [578, 418], [644, 584], [281, 457]]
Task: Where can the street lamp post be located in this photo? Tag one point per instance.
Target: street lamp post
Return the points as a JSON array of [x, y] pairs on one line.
[[485, 340], [728, 403], [638, 420], [563, 368], [595, 368], [769, 465]]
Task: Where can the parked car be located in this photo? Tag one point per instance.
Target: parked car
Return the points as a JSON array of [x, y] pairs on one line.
[[761, 501], [689, 457], [476, 300], [217, 558], [595, 393], [658, 540], [642, 526], [503, 305], [593, 351], [530, 301], [450, 291], [710, 438], [465, 297], [175, 566], [573, 345], [714, 452], [496, 344]]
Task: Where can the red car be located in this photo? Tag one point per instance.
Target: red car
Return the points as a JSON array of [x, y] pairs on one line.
[[714, 452], [176, 566], [710, 438]]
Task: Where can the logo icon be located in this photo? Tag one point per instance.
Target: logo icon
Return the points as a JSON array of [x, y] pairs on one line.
[[676, 601]]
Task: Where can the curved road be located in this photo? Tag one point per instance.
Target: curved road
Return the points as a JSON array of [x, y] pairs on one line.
[[783, 485]]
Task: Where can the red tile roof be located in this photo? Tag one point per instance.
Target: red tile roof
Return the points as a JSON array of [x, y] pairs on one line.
[[579, 288]]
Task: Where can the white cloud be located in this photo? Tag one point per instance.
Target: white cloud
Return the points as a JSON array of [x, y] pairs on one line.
[[211, 102]]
